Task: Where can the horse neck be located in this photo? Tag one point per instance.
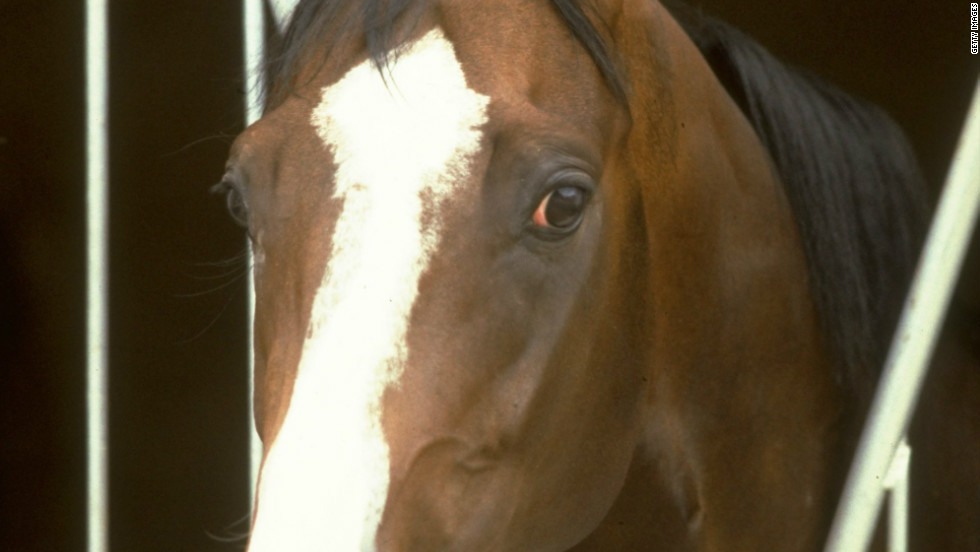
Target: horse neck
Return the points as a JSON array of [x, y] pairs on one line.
[[743, 436]]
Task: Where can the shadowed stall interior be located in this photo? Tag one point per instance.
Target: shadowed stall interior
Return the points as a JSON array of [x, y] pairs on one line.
[[177, 350]]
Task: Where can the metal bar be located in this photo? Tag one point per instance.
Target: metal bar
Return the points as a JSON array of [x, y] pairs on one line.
[[254, 33], [897, 483], [97, 274], [254, 57], [914, 341], [283, 10]]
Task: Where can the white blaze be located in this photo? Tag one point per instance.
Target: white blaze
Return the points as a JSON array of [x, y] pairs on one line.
[[399, 147]]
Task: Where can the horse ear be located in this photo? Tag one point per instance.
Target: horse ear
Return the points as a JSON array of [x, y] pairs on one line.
[[282, 10]]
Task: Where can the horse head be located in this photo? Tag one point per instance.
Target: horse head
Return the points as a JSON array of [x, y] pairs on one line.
[[526, 279]]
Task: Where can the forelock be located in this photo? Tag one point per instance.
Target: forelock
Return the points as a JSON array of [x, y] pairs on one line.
[[317, 25]]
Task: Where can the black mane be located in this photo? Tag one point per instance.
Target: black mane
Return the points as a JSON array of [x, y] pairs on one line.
[[312, 20], [853, 183]]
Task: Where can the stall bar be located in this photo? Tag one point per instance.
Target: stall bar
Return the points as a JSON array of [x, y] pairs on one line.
[[882, 457], [97, 272]]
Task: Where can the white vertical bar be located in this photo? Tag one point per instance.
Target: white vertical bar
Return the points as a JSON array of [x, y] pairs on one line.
[[254, 32], [897, 484], [283, 10], [914, 341], [254, 59], [97, 262], [898, 519]]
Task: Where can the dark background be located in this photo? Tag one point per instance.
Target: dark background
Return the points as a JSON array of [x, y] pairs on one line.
[[178, 387]]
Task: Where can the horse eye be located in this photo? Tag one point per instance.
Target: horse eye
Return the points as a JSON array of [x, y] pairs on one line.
[[234, 201], [237, 207], [561, 209]]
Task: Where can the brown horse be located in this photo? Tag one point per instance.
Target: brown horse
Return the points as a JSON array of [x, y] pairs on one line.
[[566, 275]]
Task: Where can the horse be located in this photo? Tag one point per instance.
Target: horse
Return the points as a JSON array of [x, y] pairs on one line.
[[585, 275]]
